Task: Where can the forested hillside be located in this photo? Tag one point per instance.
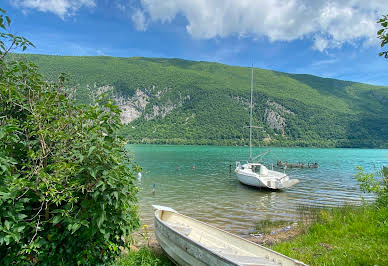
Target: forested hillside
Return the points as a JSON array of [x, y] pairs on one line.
[[187, 102]]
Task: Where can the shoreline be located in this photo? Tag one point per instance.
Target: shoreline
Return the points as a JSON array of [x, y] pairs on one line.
[[261, 145], [347, 235], [285, 231]]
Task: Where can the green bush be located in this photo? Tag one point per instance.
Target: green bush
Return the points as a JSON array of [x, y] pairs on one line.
[[67, 193], [374, 183]]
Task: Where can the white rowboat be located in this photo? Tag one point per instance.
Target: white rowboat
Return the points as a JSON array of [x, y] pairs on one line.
[[190, 242]]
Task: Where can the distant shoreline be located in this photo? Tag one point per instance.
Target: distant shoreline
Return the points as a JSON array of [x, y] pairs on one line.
[[210, 143]]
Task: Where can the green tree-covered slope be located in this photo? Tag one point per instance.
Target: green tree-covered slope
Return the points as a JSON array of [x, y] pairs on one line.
[[189, 102]]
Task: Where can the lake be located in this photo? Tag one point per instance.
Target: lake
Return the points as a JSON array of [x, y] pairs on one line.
[[196, 181]]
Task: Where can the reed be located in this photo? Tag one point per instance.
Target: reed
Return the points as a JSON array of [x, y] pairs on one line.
[[267, 225]]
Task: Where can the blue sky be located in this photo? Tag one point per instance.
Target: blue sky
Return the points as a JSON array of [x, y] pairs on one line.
[[335, 39]]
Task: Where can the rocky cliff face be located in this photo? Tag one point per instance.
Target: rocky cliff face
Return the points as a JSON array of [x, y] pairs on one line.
[[141, 103], [161, 110], [164, 104], [274, 115], [241, 100], [133, 107], [274, 120], [153, 102]]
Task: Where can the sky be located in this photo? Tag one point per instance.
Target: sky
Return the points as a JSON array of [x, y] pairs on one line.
[[334, 39]]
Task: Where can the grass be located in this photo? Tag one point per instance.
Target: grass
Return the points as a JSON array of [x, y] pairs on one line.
[[145, 256], [347, 235], [266, 226]]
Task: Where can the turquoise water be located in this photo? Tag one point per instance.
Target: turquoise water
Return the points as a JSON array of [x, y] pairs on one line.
[[195, 180]]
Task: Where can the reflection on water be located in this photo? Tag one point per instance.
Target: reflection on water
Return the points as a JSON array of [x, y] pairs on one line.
[[196, 181]]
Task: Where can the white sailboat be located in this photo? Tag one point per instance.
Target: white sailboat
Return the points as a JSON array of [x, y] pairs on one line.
[[256, 174]]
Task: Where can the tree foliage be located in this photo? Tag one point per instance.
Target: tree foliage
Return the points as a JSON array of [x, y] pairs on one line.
[[67, 193], [8, 41], [382, 34], [374, 183]]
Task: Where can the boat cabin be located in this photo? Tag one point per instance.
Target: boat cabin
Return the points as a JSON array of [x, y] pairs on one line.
[[258, 168]]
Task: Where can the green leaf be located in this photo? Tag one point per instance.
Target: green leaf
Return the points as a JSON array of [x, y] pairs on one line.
[[56, 219], [20, 228], [8, 20], [116, 195], [75, 227], [100, 183], [21, 216], [7, 224], [91, 149], [93, 172], [100, 220], [7, 239], [85, 223]]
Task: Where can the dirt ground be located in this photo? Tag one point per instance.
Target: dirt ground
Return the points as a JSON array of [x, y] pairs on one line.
[[145, 237]]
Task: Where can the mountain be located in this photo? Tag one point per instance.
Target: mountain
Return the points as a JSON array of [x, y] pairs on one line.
[[189, 102]]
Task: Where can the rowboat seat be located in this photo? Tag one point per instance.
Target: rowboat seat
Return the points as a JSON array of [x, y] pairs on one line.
[[185, 230], [250, 260], [243, 260], [223, 250]]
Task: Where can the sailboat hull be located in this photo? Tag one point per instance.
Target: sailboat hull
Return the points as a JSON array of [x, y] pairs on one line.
[[250, 180], [257, 175]]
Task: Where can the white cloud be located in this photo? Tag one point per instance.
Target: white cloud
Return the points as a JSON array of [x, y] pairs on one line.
[[325, 62], [329, 23], [62, 8], [320, 43], [139, 20]]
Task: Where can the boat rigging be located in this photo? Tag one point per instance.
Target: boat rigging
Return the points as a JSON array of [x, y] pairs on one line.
[[256, 174]]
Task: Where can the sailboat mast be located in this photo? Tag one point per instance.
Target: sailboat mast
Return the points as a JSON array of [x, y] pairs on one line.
[[250, 120]]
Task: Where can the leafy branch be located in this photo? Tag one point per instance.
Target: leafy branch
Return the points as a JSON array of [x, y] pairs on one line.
[[374, 183], [8, 41], [383, 34]]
